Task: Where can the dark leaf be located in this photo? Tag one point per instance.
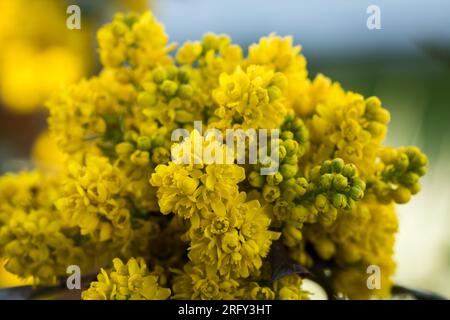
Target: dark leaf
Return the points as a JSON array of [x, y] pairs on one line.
[[282, 264]]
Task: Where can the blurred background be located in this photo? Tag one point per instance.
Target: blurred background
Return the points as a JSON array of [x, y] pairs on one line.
[[406, 63]]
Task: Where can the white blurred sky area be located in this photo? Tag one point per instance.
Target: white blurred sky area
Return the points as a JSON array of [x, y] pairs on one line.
[[334, 29], [323, 27]]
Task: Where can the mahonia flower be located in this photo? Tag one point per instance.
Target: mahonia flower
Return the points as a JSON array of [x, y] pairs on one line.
[[92, 200], [130, 281], [202, 283], [127, 188], [138, 41], [34, 238], [246, 98]]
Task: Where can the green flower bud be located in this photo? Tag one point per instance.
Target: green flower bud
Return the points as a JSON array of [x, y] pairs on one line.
[[172, 72], [169, 87], [255, 179], [326, 181], [301, 186], [315, 173], [337, 165], [401, 195], [340, 182], [359, 183], [140, 158], [327, 217], [286, 135], [293, 232], [274, 179], [185, 91], [288, 170], [299, 213], [274, 93], [321, 202], [422, 171], [159, 75], [131, 136], [401, 162], [124, 148], [146, 99], [291, 160], [410, 178], [282, 152], [415, 188], [339, 200], [291, 146], [325, 167], [144, 143], [158, 141], [349, 170], [183, 76], [282, 209], [373, 104], [184, 116], [160, 155], [271, 193], [382, 116], [356, 193]]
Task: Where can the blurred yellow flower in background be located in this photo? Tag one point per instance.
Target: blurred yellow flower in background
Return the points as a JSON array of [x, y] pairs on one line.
[[39, 54]]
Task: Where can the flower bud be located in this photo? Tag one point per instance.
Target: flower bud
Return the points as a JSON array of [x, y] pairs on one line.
[[401, 162], [291, 146], [410, 178], [255, 179], [326, 181], [356, 193], [359, 183], [271, 193], [286, 135], [160, 155], [146, 99], [337, 165], [299, 213], [325, 167], [124, 148], [339, 200], [274, 179], [288, 170], [321, 202], [144, 143], [183, 76], [140, 158], [293, 232], [185, 91], [415, 188], [401, 195], [340, 182], [169, 87], [274, 93], [282, 152], [159, 75], [349, 170]]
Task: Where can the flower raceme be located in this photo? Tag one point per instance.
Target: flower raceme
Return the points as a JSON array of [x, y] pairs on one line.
[[206, 227]]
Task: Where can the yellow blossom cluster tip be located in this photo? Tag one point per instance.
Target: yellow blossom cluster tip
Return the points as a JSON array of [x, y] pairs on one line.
[[130, 281]]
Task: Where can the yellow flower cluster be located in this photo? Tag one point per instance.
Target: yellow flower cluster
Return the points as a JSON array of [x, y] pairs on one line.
[[34, 239], [91, 200], [130, 281], [207, 222]]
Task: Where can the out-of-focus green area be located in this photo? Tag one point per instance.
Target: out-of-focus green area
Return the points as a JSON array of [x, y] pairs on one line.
[[417, 93]]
